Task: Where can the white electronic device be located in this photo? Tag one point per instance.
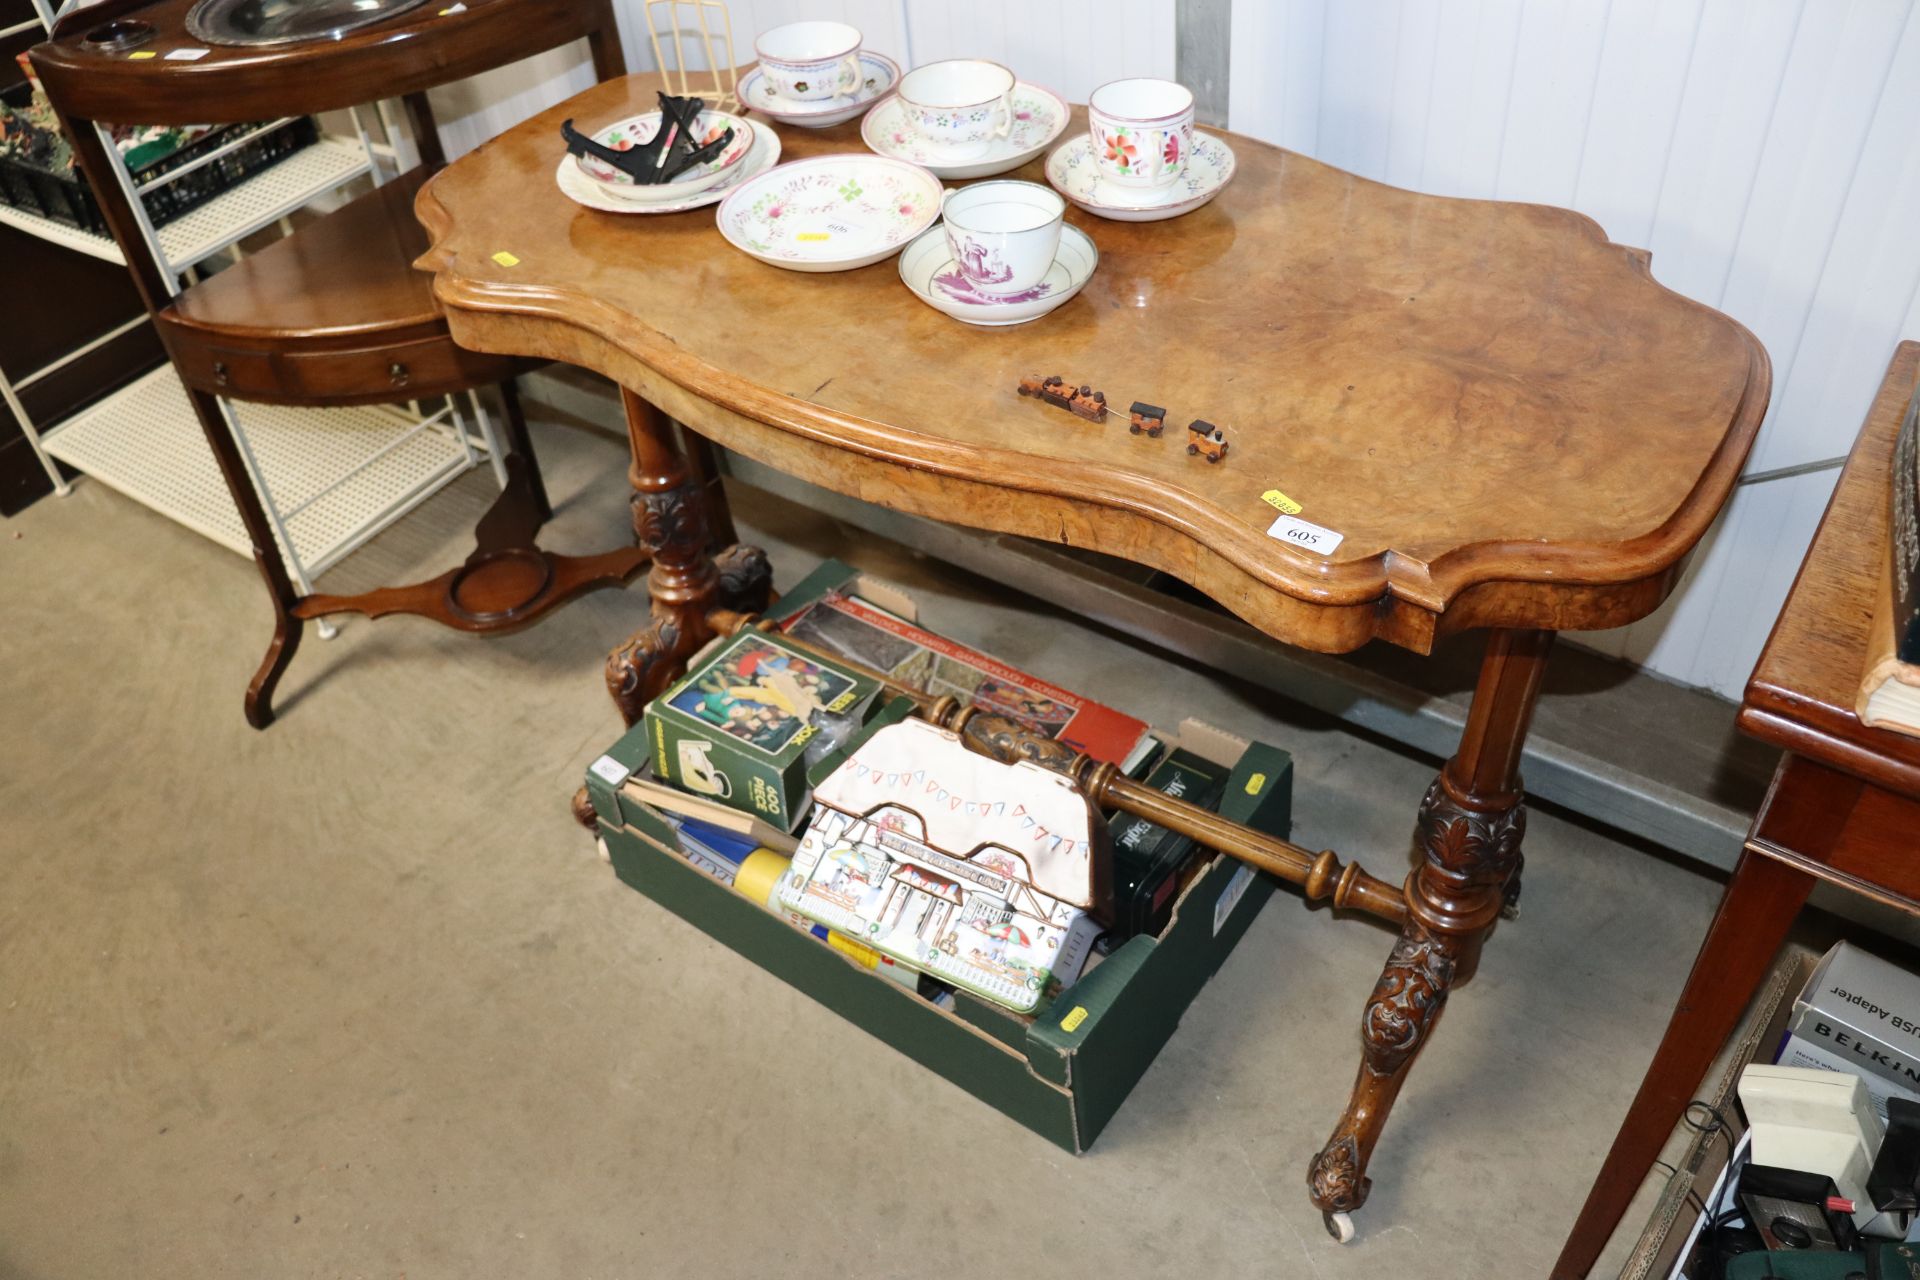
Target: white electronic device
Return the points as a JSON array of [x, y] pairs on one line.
[[1820, 1122]]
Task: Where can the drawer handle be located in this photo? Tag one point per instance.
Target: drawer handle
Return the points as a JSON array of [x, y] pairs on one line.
[[398, 372], [220, 372]]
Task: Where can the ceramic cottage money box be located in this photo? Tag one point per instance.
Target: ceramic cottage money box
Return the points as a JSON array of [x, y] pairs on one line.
[[977, 872]]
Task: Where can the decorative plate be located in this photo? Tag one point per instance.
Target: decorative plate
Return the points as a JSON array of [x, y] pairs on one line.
[[635, 130], [830, 213], [581, 189], [1039, 116], [1209, 168], [927, 267], [881, 74]]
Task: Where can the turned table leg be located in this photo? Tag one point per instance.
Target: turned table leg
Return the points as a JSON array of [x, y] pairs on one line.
[[671, 520], [1470, 827]]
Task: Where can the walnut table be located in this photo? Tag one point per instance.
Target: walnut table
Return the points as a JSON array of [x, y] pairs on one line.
[[1510, 425], [1844, 806]]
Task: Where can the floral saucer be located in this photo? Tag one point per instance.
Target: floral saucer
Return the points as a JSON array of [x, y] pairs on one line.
[[1039, 116], [928, 268], [879, 74], [830, 213], [636, 130], [581, 189], [1072, 172]]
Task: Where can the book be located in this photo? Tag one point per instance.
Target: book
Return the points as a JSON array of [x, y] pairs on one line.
[[749, 717], [1890, 688], [935, 665]]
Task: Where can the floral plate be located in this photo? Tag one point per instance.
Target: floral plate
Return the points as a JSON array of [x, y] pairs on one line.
[[830, 213], [879, 74], [1072, 172], [635, 130], [928, 268], [579, 188], [1039, 116]]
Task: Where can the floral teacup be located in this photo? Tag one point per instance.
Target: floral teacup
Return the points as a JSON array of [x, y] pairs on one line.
[[811, 61], [959, 106], [1142, 130]]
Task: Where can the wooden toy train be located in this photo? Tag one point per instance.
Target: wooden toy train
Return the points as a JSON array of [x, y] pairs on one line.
[[1056, 390], [1205, 438], [1150, 418]]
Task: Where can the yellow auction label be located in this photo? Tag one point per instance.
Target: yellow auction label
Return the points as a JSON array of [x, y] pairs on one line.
[[1256, 782], [1073, 1020], [142, 56], [813, 235], [506, 259], [1275, 498]]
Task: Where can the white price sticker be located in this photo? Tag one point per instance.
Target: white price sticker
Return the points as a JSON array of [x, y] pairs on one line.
[[187, 55], [1304, 534], [611, 771]]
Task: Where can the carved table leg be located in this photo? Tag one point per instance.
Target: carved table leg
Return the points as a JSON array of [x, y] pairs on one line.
[[670, 521], [1470, 827]]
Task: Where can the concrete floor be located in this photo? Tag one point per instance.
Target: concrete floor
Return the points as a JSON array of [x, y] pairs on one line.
[[354, 997]]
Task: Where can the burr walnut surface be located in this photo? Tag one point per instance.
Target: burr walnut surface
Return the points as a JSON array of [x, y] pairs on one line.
[[1508, 421]]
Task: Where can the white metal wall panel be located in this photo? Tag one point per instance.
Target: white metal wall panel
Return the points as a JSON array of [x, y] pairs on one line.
[[1763, 149]]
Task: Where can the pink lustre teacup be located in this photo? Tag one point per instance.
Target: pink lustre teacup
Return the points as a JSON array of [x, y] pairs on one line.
[[1142, 130], [1003, 235], [959, 106], [810, 61]]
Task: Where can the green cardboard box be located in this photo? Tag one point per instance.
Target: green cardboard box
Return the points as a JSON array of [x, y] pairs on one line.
[[1062, 1073], [737, 728]]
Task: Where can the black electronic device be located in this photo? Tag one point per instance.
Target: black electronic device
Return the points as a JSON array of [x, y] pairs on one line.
[[1796, 1210], [1894, 1184]]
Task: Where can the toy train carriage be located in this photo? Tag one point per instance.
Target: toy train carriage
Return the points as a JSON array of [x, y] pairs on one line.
[[1205, 438], [1150, 418], [1056, 390]]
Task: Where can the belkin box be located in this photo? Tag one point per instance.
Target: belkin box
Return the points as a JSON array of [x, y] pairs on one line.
[[1062, 1072]]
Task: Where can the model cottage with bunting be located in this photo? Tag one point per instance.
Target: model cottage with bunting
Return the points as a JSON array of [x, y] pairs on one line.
[[977, 872]]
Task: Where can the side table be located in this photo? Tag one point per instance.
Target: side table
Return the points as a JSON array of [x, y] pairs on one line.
[[1844, 806]]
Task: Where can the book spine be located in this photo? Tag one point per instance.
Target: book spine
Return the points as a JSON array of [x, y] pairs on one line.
[[1905, 536]]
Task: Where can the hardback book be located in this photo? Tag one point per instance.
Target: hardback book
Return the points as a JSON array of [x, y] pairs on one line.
[[1890, 689], [749, 717], [932, 664]]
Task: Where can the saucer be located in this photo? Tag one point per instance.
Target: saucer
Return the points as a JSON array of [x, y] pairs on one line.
[[583, 190], [928, 268], [830, 213], [637, 130], [880, 73], [1072, 172], [1039, 116]]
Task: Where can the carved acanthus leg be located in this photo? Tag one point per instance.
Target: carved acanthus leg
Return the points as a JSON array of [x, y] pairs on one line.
[[1470, 828], [669, 519]]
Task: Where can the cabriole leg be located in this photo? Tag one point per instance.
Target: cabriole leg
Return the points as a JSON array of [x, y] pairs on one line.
[[1470, 828]]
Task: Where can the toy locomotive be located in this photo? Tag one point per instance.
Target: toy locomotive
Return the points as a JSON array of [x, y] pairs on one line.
[[1205, 438], [1150, 418], [1056, 390]]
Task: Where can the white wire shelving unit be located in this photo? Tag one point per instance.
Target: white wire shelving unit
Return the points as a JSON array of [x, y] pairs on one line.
[[330, 479]]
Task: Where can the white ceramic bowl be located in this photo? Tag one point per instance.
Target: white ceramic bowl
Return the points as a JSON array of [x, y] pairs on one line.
[[830, 213], [635, 130]]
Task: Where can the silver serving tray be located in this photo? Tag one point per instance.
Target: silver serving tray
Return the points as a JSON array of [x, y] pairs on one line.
[[260, 23]]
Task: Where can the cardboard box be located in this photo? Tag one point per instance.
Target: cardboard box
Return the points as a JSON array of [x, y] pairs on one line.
[[1062, 1072], [1861, 1011], [738, 728]]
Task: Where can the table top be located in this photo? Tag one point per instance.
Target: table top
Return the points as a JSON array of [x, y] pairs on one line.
[[1504, 416], [1805, 686]]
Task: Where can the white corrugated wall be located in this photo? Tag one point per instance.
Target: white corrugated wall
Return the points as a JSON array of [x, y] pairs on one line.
[[1766, 151]]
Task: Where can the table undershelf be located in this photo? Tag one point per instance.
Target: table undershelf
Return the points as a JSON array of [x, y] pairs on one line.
[[229, 216], [339, 475]]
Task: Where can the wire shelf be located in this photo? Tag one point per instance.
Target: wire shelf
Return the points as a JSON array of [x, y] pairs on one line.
[[350, 471]]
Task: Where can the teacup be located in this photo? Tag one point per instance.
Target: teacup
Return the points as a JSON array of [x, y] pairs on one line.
[[1004, 235], [1142, 131], [960, 105], [811, 61]]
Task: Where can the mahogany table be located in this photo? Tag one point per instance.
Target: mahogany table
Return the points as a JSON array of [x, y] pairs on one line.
[[1509, 423], [1844, 806]]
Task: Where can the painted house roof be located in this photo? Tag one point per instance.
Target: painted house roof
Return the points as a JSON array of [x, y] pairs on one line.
[[968, 800]]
